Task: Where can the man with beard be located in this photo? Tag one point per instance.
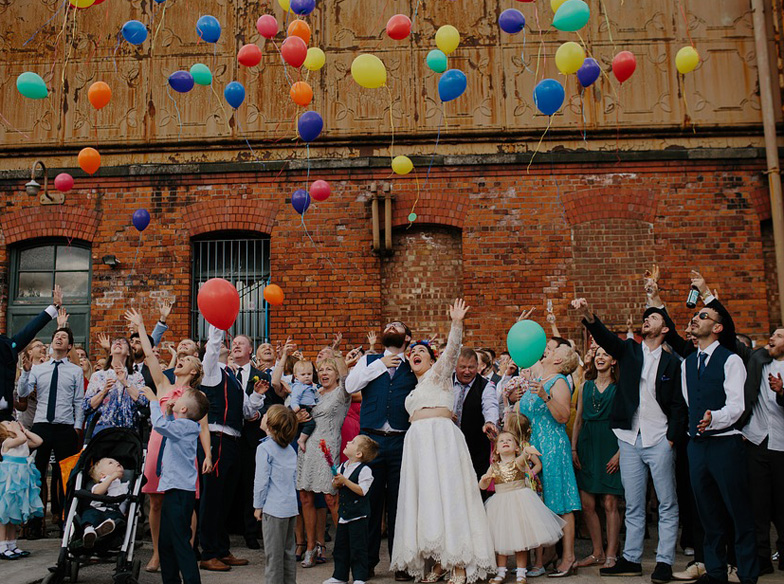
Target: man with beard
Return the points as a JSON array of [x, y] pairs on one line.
[[648, 416], [385, 381]]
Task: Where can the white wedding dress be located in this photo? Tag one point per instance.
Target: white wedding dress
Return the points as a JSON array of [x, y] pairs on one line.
[[440, 515]]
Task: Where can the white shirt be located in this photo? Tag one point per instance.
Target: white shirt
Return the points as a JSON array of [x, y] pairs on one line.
[[364, 481], [116, 488], [362, 374], [490, 409], [734, 378], [649, 420], [767, 418]]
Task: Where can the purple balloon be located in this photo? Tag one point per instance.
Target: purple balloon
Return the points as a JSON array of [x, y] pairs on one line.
[[310, 125], [181, 81], [589, 72], [511, 21], [302, 7], [141, 219], [300, 200]]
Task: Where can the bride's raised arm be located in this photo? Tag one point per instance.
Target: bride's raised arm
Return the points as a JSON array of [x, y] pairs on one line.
[[447, 361]]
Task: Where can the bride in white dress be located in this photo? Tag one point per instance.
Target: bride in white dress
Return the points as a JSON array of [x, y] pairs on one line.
[[440, 515]]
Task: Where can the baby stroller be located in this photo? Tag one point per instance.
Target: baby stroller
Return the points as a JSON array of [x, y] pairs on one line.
[[125, 446]]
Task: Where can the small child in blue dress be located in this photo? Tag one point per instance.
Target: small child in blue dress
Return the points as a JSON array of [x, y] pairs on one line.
[[304, 395], [20, 486]]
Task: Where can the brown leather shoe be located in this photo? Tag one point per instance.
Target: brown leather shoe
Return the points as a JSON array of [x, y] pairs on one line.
[[214, 565], [230, 560]]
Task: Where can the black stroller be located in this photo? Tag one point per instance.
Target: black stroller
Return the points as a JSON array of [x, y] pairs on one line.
[[125, 446]]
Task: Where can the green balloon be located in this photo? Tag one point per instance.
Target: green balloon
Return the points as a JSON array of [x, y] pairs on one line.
[[201, 74], [571, 16], [526, 342], [412, 217], [31, 85], [436, 60]]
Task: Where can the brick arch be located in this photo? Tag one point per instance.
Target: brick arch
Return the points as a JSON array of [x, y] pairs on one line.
[[230, 215], [433, 208], [609, 203], [50, 221]]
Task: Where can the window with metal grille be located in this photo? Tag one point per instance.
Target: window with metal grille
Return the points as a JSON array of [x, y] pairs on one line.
[[244, 262]]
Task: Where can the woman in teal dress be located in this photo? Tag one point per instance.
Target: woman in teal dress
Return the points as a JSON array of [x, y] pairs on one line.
[[595, 455], [547, 404]]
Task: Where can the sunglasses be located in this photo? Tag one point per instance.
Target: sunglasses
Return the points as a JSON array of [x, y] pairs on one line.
[[395, 324], [705, 316]]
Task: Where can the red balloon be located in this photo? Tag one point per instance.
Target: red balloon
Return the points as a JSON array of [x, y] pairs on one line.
[[294, 51], [63, 182], [320, 190], [267, 26], [249, 55], [623, 65], [219, 303], [399, 27]]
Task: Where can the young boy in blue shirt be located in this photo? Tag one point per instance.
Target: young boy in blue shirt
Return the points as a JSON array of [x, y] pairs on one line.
[[180, 430]]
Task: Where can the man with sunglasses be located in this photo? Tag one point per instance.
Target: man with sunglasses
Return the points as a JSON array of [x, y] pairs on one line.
[[385, 381]]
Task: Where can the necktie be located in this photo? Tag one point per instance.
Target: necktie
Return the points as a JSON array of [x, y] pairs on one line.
[[159, 463], [701, 368], [51, 407], [239, 378], [391, 371]]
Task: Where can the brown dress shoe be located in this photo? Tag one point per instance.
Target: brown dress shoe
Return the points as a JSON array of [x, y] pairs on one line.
[[214, 565], [230, 560]]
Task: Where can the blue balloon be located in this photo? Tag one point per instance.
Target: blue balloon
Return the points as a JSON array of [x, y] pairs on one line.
[[160, 1], [511, 21], [589, 72], [309, 126], [134, 32], [302, 7], [181, 81], [549, 96], [208, 28], [300, 200], [234, 94], [452, 85], [141, 219]]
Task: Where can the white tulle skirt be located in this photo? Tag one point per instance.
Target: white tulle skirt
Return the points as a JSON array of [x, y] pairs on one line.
[[520, 521], [440, 515]]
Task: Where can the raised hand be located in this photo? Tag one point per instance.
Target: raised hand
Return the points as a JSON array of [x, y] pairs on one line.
[[261, 386], [57, 295], [776, 383], [698, 281], [581, 306], [336, 342], [371, 337], [149, 393], [62, 318], [352, 357], [134, 317], [103, 342], [458, 310], [165, 308], [288, 348], [526, 314]]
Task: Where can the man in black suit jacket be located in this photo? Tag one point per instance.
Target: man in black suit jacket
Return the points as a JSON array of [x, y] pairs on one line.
[[648, 416], [10, 347]]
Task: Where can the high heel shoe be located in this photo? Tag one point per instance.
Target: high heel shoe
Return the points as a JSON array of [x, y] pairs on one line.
[[570, 571], [434, 576]]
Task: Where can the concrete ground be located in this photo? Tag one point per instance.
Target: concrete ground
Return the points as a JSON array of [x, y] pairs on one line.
[[44, 554]]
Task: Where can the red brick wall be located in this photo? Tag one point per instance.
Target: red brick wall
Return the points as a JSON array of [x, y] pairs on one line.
[[525, 237]]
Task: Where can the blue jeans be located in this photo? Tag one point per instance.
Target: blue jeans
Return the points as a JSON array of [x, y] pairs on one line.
[[635, 462]]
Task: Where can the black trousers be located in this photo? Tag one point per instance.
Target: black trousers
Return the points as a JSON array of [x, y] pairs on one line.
[[383, 492], [63, 440], [720, 482], [214, 501], [692, 534], [174, 542], [766, 476], [351, 551]]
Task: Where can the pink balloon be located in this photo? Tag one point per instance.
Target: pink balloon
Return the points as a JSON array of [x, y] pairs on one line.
[[320, 190], [267, 26], [63, 182]]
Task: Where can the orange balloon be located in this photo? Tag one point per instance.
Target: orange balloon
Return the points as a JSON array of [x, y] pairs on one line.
[[301, 93], [89, 160], [273, 294], [301, 29], [99, 94]]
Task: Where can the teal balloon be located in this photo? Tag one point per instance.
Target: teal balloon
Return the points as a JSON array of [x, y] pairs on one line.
[[201, 74], [571, 16], [31, 85], [526, 342], [436, 60]]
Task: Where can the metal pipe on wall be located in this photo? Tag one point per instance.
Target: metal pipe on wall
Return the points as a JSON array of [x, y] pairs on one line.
[[771, 148], [376, 228], [387, 219]]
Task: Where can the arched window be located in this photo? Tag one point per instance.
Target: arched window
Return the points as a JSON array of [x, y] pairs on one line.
[[36, 266]]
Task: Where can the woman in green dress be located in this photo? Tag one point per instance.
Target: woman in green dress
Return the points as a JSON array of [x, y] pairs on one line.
[[595, 456]]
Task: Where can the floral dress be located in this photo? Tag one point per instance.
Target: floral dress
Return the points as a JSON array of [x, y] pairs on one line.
[[118, 409]]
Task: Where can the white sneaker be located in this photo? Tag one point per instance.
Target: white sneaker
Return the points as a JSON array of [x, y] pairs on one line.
[[359, 582], [732, 575], [688, 551], [336, 581], [105, 528], [89, 537]]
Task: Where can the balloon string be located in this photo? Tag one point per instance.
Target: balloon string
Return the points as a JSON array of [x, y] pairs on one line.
[[435, 149], [245, 137], [686, 22], [67, 55], [10, 125], [541, 44], [413, 207], [582, 113], [378, 22], [220, 103], [114, 55], [607, 22], [685, 102], [391, 124], [603, 72], [618, 127], [307, 178], [46, 23], [176, 107], [550, 121], [522, 56], [416, 10], [285, 69], [305, 228], [157, 30]]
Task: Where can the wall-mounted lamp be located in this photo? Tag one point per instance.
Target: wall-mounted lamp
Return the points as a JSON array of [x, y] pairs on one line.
[[33, 188], [110, 260]]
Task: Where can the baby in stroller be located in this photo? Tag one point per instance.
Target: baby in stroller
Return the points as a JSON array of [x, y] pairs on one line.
[[100, 519]]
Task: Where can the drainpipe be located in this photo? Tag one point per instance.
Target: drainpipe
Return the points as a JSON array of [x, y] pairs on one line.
[[771, 148], [374, 213], [387, 218]]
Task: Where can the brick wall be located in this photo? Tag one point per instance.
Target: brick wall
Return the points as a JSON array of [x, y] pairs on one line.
[[550, 233]]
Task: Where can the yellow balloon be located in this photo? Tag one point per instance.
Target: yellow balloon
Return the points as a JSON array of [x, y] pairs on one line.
[[556, 4], [402, 165], [447, 38], [687, 60], [314, 59], [369, 71], [569, 58], [81, 3], [285, 4]]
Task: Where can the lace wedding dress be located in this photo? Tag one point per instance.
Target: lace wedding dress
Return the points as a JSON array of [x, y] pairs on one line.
[[440, 515]]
